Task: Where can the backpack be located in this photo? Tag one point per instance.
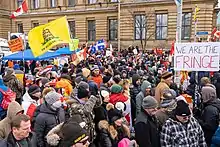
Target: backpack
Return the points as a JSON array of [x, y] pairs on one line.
[[8, 97]]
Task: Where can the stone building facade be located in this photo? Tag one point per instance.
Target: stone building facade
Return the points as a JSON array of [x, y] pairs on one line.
[[91, 20]]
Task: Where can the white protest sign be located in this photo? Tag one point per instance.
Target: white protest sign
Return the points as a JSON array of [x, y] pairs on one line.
[[197, 56], [62, 61], [108, 53]]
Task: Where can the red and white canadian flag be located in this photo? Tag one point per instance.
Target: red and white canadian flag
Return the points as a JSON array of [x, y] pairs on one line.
[[22, 8]]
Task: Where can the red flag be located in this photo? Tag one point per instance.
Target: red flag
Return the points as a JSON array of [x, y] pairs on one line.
[[217, 34], [22, 8], [172, 49]]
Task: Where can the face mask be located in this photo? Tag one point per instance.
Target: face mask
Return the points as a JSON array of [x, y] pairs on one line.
[[57, 104]]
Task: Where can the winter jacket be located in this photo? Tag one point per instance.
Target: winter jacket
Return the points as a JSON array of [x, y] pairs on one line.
[[109, 136], [29, 105], [160, 89], [15, 85], [45, 121], [162, 116], [86, 111], [2, 111], [134, 88], [217, 85], [5, 124], [176, 134], [146, 130], [210, 119], [216, 138], [141, 95], [100, 113], [98, 80], [10, 141], [117, 97]]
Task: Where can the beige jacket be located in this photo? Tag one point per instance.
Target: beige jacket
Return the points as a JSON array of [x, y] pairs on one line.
[[159, 90]]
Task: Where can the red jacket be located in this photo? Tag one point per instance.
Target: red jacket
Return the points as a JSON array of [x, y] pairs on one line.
[[117, 97]]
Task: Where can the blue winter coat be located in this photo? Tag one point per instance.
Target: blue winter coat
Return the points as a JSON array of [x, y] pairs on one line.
[[4, 88], [216, 138]]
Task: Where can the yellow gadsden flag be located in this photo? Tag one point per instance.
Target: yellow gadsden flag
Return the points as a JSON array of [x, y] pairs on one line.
[[44, 37]]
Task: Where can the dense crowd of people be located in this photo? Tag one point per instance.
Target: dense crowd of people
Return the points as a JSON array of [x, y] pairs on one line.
[[128, 99]]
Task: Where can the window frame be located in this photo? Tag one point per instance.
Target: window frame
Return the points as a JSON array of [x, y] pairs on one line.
[[161, 26], [143, 26], [114, 30], [185, 26], [91, 31]]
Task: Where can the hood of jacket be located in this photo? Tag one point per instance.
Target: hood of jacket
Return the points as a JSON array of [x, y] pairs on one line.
[[13, 109], [8, 77], [144, 86], [27, 98], [208, 93], [104, 127], [135, 77]]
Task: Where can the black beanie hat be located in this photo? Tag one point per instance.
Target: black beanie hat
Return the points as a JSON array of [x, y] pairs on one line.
[[82, 92], [182, 109], [33, 89], [106, 79], [113, 113]]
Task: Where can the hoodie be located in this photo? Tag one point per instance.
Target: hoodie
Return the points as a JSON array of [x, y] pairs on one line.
[[5, 125], [141, 95], [210, 115]]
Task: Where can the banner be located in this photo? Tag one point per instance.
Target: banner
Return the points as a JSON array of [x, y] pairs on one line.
[[16, 44], [44, 37], [197, 56], [74, 44]]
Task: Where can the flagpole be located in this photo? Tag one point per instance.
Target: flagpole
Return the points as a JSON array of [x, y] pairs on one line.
[[24, 45], [179, 4], [119, 23]]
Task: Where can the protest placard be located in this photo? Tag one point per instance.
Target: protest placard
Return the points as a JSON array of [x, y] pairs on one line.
[[16, 44], [197, 56]]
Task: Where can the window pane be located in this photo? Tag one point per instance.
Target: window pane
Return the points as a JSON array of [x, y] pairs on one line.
[[140, 26], [161, 29], [113, 26], [19, 2], [91, 1], [72, 2], [53, 3], [72, 28], [91, 30], [35, 24], [36, 4], [186, 25], [164, 32], [20, 28]]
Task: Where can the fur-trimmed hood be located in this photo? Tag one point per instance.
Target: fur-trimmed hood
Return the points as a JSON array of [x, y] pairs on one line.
[[104, 126], [52, 137]]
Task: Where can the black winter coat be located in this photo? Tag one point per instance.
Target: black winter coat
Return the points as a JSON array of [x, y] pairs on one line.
[[10, 141], [210, 119], [45, 121], [217, 85], [146, 130]]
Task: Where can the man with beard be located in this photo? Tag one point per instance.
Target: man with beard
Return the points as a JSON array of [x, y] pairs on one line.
[[182, 129]]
